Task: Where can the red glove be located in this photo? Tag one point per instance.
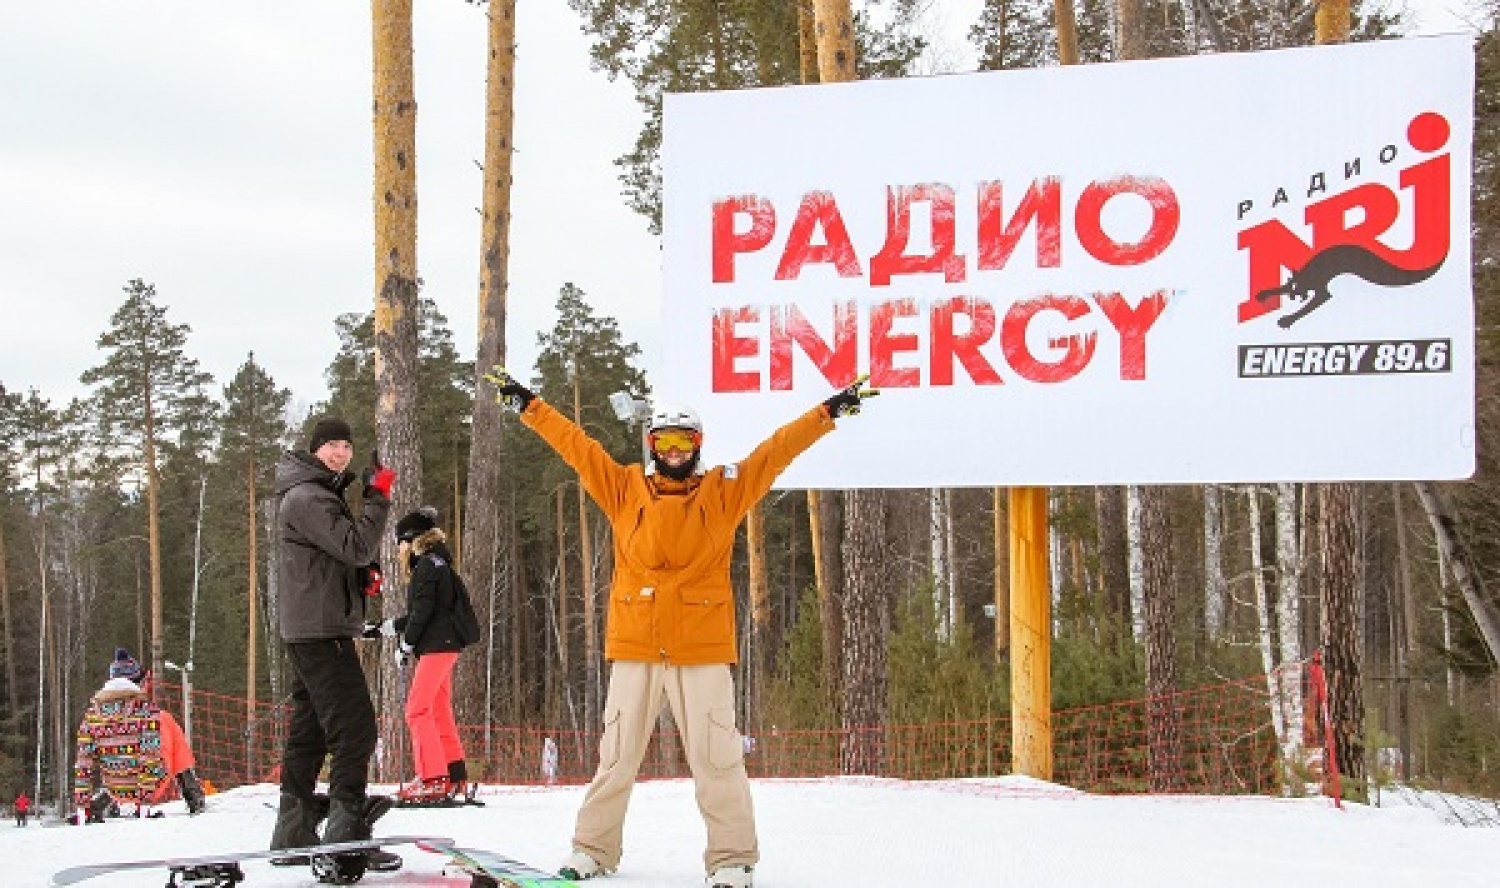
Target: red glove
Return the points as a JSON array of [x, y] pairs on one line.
[[379, 476], [374, 578]]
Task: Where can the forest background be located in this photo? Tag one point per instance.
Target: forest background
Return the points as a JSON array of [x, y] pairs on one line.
[[138, 514]]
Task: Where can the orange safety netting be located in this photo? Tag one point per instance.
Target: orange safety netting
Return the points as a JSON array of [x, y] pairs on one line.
[[1226, 745]]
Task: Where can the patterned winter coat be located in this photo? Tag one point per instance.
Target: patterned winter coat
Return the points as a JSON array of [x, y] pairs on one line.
[[119, 747]]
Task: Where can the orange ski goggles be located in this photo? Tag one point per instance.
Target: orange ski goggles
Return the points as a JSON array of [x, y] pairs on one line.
[[667, 440]]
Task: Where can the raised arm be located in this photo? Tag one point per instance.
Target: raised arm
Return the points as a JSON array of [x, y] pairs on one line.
[[757, 472], [604, 479]]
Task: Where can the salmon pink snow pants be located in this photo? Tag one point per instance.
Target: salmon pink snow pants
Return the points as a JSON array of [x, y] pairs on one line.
[[429, 715]]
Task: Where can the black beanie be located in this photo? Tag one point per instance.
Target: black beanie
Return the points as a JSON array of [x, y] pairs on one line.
[[329, 430], [415, 524]]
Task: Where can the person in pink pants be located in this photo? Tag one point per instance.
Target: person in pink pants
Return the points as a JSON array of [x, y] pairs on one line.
[[439, 623]]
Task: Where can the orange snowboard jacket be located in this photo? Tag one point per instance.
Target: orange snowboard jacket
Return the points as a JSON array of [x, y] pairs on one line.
[[670, 599]]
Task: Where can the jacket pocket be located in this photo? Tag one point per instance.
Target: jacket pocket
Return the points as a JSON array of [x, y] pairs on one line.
[[706, 616], [725, 749], [632, 612], [609, 744]]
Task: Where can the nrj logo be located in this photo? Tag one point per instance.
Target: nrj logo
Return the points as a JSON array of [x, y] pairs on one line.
[[1344, 231]]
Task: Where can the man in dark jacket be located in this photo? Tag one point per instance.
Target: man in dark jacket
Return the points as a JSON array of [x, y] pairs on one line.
[[323, 580]]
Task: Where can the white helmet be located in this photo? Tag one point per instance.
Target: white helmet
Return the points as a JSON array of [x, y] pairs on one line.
[[674, 416]]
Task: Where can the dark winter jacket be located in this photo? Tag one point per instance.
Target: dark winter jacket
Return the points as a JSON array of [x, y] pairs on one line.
[[323, 547], [428, 626]]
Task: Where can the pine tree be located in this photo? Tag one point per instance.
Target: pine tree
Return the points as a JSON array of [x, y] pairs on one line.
[[252, 433], [149, 396], [1012, 34], [444, 398], [10, 407], [663, 46], [487, 519], [583, 360]]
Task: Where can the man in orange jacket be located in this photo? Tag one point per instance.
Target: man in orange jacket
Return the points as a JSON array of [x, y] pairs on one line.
[[670, 631]]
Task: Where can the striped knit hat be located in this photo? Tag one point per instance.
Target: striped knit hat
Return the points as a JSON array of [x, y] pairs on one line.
[[124, 666]]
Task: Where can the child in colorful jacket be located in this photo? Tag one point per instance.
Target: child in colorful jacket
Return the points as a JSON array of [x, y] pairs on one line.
[[130, 751]]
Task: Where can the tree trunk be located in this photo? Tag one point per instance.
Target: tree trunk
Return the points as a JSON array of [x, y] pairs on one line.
[[1067, 31], [564, 619], [252, 598], [866, 632], [1403, 615], [757, 664], [1135, 559], [396, 294], [937, 548], [1215, 587], [833, 26], [1114, 558], [1445, 526], [1289, 617], [486, 521], [13, 693], [153, 539], [43, 560], [1339, 631], [825, 511], [1265, 625], [999, 497], [807, 42], [592, 697], [1163, 719]]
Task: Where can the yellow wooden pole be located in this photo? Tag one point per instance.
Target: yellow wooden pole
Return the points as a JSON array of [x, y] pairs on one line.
[[1030, 635]]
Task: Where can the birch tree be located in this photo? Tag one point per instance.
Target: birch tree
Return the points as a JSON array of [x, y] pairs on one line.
[[1215, 586], [1289, 618]]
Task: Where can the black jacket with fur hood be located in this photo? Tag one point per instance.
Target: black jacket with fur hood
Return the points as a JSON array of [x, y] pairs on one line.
[[429, 626], [323, 547]]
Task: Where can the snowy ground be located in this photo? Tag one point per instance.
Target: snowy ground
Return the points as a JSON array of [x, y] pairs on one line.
[[856, 832]]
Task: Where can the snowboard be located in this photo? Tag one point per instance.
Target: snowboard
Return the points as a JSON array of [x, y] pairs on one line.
[[486, 869], [223, 870]]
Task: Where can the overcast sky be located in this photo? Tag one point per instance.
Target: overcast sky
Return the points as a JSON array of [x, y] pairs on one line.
[[222, 152]]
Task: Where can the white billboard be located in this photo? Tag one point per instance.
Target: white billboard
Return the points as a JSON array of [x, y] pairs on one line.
[[1240, 267]]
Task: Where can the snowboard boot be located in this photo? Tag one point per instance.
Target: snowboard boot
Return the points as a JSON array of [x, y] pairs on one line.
[[424, 792], [378, 860], [458, 780], [580, 866], [351, 820], [297, 826], [102, 805], [739, 876], [192, 791]]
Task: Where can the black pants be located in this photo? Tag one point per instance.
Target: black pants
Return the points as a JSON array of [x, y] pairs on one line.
[[331, 715]]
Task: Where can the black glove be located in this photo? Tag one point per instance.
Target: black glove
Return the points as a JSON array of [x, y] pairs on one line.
[[849, 398], [509, 394], [378, 476]]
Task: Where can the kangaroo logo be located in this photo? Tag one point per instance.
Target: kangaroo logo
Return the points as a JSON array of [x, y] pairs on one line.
[[1347, 231], [1310, 283]]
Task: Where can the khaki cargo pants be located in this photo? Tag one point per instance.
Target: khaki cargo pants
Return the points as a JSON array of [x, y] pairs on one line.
[[702, 702]]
